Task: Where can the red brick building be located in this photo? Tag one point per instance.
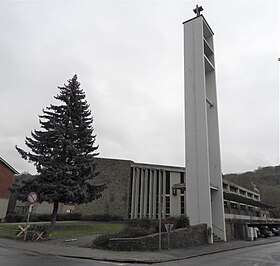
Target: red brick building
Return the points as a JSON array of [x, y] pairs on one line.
[[7, 173]]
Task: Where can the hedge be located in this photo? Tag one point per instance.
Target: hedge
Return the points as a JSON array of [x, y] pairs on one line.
[[16, 218]]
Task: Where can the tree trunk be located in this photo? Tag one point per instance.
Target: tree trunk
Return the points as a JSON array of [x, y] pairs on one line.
[[54, 215]]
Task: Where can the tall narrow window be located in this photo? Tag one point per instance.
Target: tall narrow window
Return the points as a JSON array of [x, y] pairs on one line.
[[182, 180], [167, 205], [148, 191], [157, 182], [139, 193], [182, 204], [130, 190], [182, 177], [167, 182]]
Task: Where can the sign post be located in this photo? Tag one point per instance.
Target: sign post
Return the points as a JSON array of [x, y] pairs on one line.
[[168, 228], [31, 198]]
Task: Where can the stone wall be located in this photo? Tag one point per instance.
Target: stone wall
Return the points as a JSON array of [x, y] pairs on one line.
[[115, 198], [185, 237]]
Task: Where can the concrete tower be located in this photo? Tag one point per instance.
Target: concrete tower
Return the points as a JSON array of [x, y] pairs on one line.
[[203, 162]]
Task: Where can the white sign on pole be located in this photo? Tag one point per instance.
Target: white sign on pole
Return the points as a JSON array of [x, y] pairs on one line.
[[32, 197]]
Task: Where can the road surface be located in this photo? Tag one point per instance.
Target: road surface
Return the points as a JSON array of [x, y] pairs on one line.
[[264, 255]]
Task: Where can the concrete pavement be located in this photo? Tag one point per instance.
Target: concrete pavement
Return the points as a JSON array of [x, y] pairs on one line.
[[72, 248]]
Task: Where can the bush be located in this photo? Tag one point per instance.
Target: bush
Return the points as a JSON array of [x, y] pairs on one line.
[[15, 218], [129, 232], [182, 221], [40, 217], [101, 217], [72, 216], [141, 227], [143, 223], [103, 241]]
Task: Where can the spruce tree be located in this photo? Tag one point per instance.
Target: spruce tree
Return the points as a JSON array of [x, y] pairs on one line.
[[63, 152]]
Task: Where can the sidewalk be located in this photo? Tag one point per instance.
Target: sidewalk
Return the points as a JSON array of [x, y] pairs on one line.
[[67, 248]]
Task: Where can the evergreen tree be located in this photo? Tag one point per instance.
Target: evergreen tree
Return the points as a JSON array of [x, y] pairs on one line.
[[63, 152]]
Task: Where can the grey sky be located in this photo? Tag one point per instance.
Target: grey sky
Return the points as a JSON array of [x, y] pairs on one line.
[[129, 59]]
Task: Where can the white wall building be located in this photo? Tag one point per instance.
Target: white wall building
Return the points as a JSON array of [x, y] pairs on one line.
[[156, 187]]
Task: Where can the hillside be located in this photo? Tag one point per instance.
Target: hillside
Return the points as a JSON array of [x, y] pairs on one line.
[[266, 179]]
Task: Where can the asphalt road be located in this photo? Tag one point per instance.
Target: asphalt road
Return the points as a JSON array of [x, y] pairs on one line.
[[13, 257], [265, 255]]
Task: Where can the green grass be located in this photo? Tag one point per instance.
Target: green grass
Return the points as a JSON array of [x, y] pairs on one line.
[[76, 229], [69, 229], [8, 230]]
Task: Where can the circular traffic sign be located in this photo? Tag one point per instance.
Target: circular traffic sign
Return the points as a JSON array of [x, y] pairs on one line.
[[32, 197]]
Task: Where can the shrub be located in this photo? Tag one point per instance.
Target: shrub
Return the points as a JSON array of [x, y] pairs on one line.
[[143, 223], [15, 218], [130, 232], [103, 241], [40, 228], [40, 217], [101, 217], [116, 218], [183, 221], [72, 216], [141, 227]]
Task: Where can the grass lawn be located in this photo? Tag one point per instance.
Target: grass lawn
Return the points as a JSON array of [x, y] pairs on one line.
[[8, 230], [68, 229], [76, 229]]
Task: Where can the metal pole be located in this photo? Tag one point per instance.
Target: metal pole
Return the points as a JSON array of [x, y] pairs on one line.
[[168, 239], [28, 217]]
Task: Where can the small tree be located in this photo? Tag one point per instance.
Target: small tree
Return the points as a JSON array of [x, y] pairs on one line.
[[63, 152]]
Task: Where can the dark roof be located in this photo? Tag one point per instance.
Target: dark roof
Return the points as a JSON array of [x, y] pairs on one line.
[[241, 199], [9, 166]]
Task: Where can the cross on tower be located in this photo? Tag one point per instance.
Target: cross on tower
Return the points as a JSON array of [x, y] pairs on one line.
[[197, 10]]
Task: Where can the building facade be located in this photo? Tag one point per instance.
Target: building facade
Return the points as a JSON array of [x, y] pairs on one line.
[[115, 200], [7, 173], [244, 204], [138, 190], [156, 189]]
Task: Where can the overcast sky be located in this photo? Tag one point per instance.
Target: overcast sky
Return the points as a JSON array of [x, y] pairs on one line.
[[129, 59]]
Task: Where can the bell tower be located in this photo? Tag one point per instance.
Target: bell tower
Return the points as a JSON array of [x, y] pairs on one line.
[[202, 151]]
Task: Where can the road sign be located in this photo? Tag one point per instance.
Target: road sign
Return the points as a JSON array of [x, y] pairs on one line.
[[168, 227], [32, 197]]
